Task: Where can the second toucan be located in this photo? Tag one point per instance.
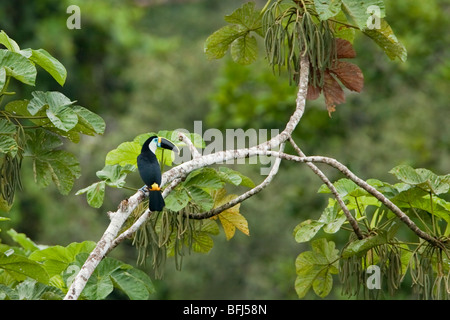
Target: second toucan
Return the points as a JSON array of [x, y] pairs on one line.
[[150, 170]]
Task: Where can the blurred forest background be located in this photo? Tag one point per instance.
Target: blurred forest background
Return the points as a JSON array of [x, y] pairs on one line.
[[140, 65]]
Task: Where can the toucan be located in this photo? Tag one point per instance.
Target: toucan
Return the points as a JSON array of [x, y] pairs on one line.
[[150, 170]]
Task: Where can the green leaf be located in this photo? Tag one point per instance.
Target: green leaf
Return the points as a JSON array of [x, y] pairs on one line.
[[207, 178], [360, 247], [112, 273], [201, 198], [9, 43], [32, 290], [23, 240], [345, 187], [327, 9], [385, 38], [56, 259], [134, 283], [99, 285], [246, 16], [115, 175], [18, 67], [20, 107], [2, 77], [21, 267], [95, 194], [8, 145], [202, 241], [342, 29], [359, 11], [165, 156], [5, 206], [59, 166], [243, 46], [315, 268], [177, 199], [244, 50], [62, 117], [125, 153], [217, 44], [89, 122], [422, 178], [6, 127], [51, 99], [57, 109], [230, 176], [332, 219], [306, 230], [49, 64]]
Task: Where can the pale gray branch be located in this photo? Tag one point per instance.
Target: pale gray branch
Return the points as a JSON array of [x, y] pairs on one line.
[[333, 190], [244, 196], [389, 204], [190, 145]]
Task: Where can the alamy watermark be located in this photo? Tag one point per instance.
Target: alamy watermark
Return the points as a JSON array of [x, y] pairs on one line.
[[216, 141], [374, 21], [74, 20], [374, 280]]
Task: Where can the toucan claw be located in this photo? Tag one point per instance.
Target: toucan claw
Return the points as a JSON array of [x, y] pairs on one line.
[[144, 189]]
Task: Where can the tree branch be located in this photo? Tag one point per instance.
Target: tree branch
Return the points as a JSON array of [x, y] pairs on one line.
[[174, 176], [389, 204], [141, 220], [177, 174], [117, 220], [330, 186], [190, 145], [244, 196]]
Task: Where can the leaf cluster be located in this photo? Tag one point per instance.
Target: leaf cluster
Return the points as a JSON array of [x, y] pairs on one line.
[[315, 28], [181, 225], [33, 128], [419, 194], [33, 272]]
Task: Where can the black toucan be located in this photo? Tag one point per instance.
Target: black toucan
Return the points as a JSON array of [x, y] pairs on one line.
[[150, 170]]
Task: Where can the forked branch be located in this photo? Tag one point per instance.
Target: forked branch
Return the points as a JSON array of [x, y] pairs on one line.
[[173, 177]]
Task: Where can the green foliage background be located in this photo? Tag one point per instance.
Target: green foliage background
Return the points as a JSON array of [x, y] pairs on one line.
[[142, 68]]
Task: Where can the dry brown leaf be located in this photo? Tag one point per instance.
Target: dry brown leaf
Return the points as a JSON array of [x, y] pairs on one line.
[[344, 49], [350, 75], [332, 92], [313, 92]]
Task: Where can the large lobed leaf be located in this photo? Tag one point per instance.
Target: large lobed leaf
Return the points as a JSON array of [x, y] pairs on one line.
[[49, 164], [385, 38], [359, 10], [18, 67], [27, 74], [231, 219], [237, 36], [315, 268]]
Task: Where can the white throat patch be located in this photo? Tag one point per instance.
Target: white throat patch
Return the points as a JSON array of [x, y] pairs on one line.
[[152, 145]]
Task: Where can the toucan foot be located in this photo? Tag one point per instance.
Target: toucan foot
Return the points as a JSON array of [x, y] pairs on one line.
[[144, 189]]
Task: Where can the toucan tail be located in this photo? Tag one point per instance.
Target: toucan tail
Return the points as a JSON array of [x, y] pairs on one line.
[[156, 201]]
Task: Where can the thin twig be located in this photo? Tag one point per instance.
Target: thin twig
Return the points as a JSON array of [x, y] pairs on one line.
[[337, 165], [333, 190], [244, 196], [192, 148]]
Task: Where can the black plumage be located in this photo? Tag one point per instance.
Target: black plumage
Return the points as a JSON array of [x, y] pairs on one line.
[[150, 170]]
